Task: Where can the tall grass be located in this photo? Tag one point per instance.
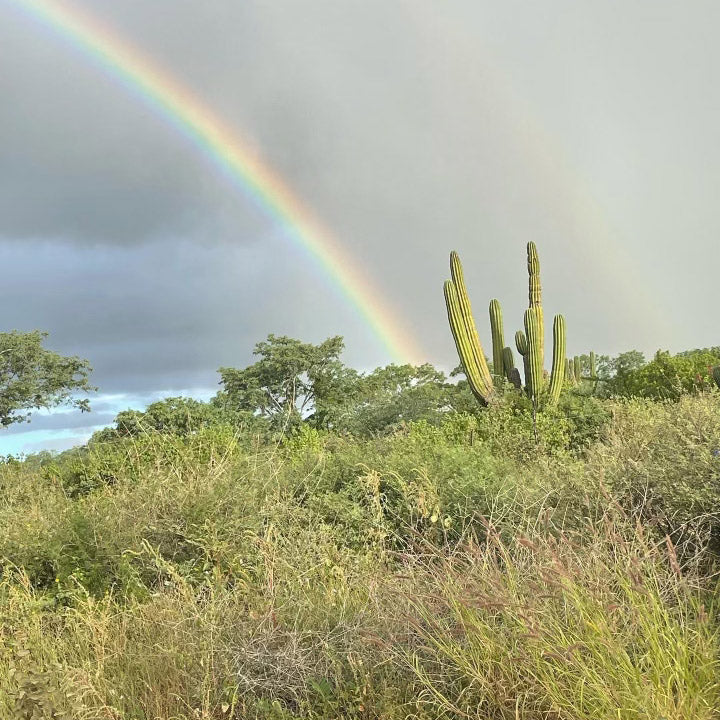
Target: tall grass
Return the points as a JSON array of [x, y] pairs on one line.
[[424, 575]]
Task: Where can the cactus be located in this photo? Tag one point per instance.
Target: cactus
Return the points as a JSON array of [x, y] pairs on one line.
[[511, 372], [540, 386], [577, 368], [534, 378], [570, 372], [716, 375], [535, 294], [521, 342], [557, 376], [498, 340], [593, 366], [464, 332]]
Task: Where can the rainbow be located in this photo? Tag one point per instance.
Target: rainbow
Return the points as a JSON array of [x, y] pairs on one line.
[[227, 151]]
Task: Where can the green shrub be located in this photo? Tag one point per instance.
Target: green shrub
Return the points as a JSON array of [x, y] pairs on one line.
[[662, 460]]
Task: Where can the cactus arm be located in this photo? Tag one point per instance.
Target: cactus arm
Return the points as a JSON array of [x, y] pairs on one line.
[[558, 362], [468, 347], [498, 340]]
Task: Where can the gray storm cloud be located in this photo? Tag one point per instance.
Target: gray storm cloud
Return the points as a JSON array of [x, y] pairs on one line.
[[409, 128]]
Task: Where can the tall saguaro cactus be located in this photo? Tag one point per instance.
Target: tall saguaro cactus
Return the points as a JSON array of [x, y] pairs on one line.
[[465, 334]]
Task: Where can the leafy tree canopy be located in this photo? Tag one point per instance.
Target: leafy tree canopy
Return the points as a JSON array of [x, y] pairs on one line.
[[32, 377], [665, 377], [391, 396], [291, 380], [179, 416], [295, 382]]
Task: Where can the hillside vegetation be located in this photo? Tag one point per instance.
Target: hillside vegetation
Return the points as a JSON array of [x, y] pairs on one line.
[[198, 565]]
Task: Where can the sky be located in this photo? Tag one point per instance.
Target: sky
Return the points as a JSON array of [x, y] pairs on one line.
[[408, 128]]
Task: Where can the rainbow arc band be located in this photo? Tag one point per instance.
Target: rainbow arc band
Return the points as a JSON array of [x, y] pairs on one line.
[[232, 156]]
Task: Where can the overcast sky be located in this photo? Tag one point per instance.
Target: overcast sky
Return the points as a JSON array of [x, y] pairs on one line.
[[410, 128]]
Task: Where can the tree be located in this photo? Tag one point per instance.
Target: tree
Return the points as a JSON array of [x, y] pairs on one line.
[[291, 381], [178, 416], [390, 396], [32, 377], [296, 382], [665, 377]]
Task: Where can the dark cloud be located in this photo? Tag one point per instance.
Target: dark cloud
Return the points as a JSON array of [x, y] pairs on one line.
[[408, 129]]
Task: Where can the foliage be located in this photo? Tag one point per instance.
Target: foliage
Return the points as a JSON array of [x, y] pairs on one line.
[[291, 381], [33, 377], [662, 460], [451, 568], [665, 377], [391, 397], [178, 416], [320, 543], [297, 383]]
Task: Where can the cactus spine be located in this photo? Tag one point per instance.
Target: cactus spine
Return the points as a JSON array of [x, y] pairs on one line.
[[498, 340], [465, 334]]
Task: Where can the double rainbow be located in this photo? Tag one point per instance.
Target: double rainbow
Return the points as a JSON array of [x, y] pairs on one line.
[[227, 151]]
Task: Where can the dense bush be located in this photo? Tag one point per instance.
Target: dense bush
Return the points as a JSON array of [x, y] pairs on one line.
[[662, 460], [665, 377]]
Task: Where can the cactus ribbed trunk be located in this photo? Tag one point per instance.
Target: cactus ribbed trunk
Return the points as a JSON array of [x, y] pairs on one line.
[[577, 368], [558, 363], [534, 379], [498, 341], [535, 295], [593, 366]]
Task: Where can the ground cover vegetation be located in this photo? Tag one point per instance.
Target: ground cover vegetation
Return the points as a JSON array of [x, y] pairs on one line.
[[316, 542]]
